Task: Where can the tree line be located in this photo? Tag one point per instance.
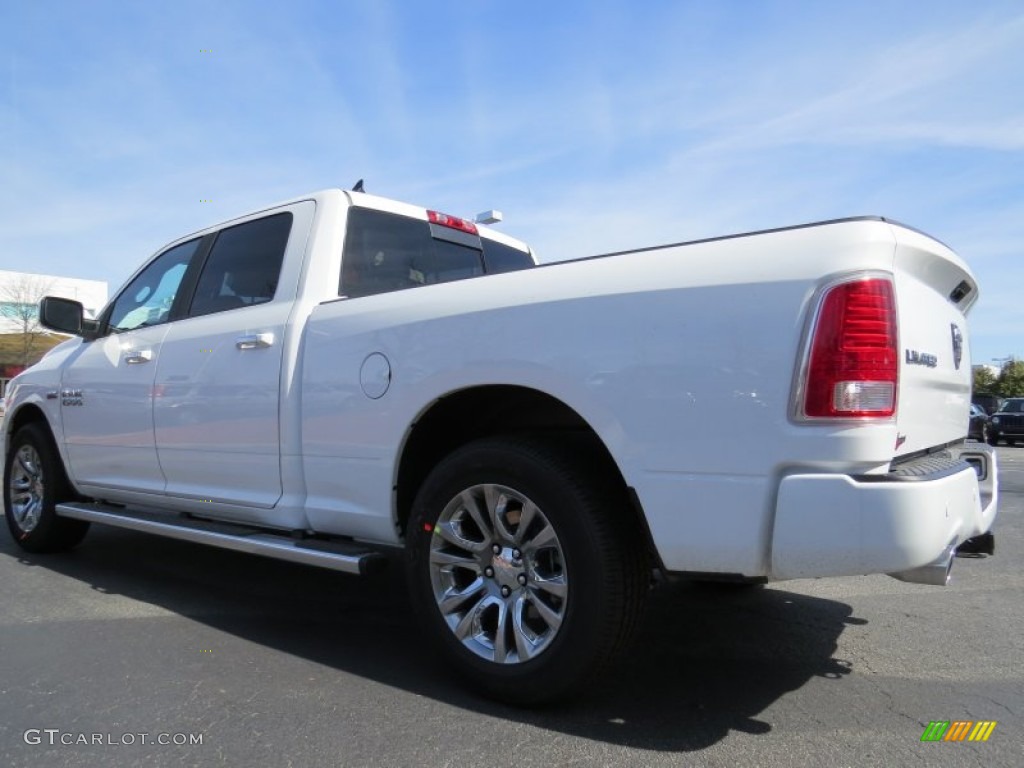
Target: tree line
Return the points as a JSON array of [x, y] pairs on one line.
[[1009, 382]]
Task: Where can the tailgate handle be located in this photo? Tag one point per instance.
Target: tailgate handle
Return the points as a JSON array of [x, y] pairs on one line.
[[255, 341]]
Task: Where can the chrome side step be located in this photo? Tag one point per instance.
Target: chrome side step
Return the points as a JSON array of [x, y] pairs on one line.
[[342, 556]]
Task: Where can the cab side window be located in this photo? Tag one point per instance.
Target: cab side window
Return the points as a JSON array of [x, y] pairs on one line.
[[243, 266], [147, 299]]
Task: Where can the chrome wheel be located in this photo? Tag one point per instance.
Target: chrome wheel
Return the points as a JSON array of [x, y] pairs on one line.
[[498, 574], [34, 483], [522, 567], [27, 489]]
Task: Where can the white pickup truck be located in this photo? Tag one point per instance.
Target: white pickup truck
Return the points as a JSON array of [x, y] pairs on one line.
[[336, 377]]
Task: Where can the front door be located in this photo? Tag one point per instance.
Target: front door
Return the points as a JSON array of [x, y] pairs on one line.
[[106, 393]]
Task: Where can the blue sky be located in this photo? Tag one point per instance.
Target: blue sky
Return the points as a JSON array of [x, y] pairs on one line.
[[593, 126]]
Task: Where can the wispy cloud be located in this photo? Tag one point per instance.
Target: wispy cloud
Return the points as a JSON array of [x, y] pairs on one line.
[[593, 127]]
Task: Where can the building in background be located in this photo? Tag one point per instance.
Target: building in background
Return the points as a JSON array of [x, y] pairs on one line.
[[22, 340]]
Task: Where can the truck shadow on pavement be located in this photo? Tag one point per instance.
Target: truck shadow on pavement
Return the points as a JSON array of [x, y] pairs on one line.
[[706, 661]]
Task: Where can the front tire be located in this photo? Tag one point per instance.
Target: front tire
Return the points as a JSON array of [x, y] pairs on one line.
[[992, 439], [34, 483], [523, 567]]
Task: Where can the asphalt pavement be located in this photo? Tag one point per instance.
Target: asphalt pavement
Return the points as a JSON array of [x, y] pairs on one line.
[[139, 651]]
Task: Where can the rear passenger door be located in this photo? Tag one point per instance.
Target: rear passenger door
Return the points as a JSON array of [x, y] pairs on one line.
[[218, 382]]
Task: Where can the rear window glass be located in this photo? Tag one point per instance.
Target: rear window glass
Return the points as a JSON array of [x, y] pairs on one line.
[[503, 258], [387, 252]]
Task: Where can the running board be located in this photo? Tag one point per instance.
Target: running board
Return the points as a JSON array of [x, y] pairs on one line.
[[342, 556]]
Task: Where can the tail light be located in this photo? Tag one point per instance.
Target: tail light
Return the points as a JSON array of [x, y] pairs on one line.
[[853, 360], [453, 222]]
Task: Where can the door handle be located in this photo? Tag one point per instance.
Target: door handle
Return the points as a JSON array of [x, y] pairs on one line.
[[139, 356], [255, 341]]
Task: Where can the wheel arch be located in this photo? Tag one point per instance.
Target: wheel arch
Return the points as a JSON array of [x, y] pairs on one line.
[[490, 411], [49, 484], [30, 413]]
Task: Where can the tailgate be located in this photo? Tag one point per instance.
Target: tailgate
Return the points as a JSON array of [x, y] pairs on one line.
[[934, 292]]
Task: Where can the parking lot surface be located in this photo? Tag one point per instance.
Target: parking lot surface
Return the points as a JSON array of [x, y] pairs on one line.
[[131, 641]]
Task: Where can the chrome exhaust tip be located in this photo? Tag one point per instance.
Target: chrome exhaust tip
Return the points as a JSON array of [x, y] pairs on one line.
[[936, 573]]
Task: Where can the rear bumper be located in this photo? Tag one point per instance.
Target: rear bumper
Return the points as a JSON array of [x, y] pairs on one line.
[[838, 525]]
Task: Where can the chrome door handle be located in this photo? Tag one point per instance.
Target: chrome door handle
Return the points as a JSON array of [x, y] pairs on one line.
[[255, 341], [139, 356]]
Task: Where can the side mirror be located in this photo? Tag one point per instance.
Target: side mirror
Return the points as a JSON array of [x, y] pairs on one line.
[[64, 315]]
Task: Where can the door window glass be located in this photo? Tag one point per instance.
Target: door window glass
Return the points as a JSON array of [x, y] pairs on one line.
[[147, 299], [244, 265]]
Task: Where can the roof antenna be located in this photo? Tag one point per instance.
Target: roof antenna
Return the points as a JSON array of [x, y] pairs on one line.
[[358, 187]]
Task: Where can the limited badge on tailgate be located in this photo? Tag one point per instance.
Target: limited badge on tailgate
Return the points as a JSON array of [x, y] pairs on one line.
[[913, 357]]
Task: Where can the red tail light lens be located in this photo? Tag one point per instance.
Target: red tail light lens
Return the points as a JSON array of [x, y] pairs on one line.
[[454, 222], [854, 361]]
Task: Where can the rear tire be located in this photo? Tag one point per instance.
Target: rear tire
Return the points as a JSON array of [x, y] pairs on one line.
[[523, 567], [34, 483]]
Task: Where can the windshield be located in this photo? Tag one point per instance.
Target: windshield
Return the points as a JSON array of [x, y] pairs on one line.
[[1013, 406]]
